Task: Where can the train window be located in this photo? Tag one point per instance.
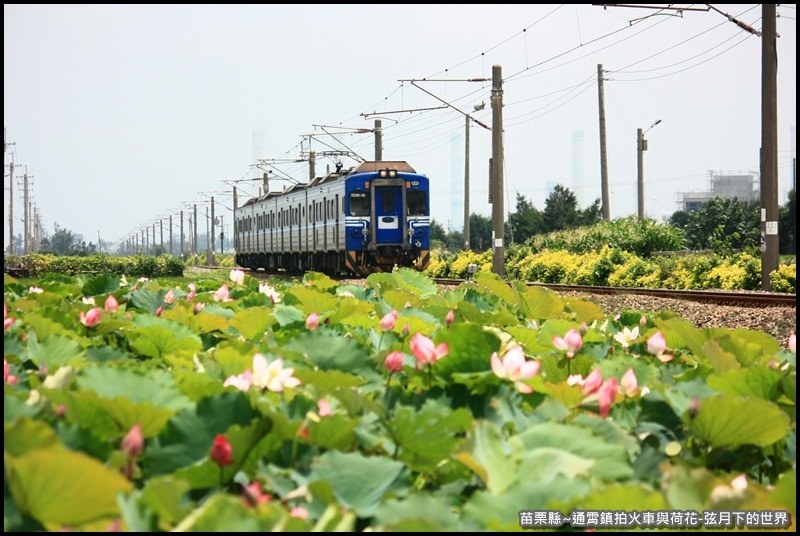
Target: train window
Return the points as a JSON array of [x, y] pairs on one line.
[[359, 204], [387, 201], [417, 201]]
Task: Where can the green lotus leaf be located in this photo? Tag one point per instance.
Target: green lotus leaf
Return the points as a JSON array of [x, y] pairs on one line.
[[158, 341], [24, 435], [310, 300], [492, 284], [611, 460], [727, 420], [538, 303], [428, 435], [485, 452], [102, 284], [62, 488], [357, 481], [156, 387], [54, 351], [188, 436], [416, 282], [761, 382], [497, 512], [470, 350], [431, 512], [330, 351], [252, 323]]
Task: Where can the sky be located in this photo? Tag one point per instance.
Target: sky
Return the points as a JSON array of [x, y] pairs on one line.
[[122, 115]]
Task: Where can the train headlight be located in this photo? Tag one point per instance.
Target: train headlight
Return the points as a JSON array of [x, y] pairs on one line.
[[365, 231], [410, 231]]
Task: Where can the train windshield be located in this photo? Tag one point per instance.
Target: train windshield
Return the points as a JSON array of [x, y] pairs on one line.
[[359, 204], [417, 202]]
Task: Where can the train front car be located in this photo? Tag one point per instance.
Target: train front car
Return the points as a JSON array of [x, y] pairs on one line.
[[387, 216]]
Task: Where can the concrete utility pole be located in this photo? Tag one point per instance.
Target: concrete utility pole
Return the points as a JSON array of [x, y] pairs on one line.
[[183, 243], [604, 190], [641, 147], [769, 147], [235, 233], [161, 234], [170, 235], [194, 243], [466, 184], [498, 215], [26, 213], [378, 141], [11, 207], [213, 223]]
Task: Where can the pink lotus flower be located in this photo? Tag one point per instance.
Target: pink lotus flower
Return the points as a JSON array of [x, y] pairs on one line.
[[299, 512], [793, 343], [222, 451], [592, 383], [606, 395], [515, 368], [90, 319], [312, 322], [7, 321], [388, 321], [253, 495], [221, 295], [272, 376], [270, 292], [237, 276], [572, 342], [159, 311], [628, 385], [450, 317], [425, 352], [35, 290], [324, 408], [88, 300], [8, 378], [656, 345], [192, 292], [169, 297], [133, 442], [241, 381], [394, 361], [111, 305], [199, 307]]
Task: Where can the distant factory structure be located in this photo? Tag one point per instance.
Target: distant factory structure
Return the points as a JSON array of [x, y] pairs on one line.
[[744, 188]]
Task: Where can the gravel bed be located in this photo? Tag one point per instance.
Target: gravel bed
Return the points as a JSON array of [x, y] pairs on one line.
[[776, 321]]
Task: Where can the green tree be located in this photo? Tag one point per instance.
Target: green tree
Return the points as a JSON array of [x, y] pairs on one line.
[[561, 210], [480, 232], [527, 221], [680, 219], [61, 241], [591, 214], [724, 224], [787, 225], [438, 232]]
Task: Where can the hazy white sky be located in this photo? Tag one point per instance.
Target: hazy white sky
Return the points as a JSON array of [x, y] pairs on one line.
[[124, 114]]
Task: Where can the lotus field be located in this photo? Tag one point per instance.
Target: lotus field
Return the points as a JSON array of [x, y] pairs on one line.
[[206, 404]]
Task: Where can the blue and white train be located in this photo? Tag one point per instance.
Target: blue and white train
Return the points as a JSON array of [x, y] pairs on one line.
[[364, 220]]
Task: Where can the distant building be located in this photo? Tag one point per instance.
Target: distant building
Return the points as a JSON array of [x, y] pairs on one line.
[[744, 188], [259, 150]]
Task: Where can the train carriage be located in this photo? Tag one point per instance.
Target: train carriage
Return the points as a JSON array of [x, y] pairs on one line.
[[364, 220]]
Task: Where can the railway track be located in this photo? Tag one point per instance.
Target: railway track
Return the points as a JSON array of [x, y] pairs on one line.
[[715, 297]]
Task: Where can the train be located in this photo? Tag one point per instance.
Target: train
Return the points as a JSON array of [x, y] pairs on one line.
[[367, 219]]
